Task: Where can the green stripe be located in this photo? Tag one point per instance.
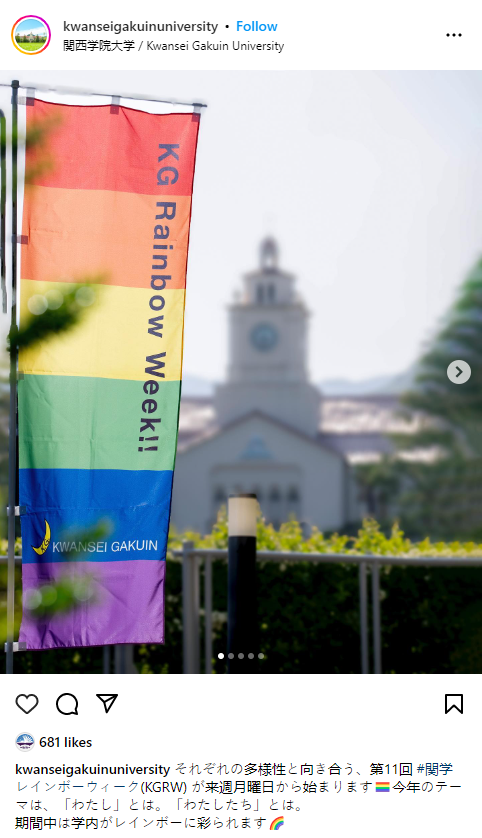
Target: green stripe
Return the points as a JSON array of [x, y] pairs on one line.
[[94, 423]]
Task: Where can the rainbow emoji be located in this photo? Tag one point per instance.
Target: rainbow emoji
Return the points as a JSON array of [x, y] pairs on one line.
[[278, 822], [382, 787]]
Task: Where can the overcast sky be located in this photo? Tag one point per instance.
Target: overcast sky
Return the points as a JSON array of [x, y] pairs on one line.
[[371, 183]]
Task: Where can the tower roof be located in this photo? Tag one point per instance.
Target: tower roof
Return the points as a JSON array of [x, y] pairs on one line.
[[269, 258], [268, 284], [269, 253]]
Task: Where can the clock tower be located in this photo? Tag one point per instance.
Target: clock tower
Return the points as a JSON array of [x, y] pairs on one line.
[[267, 369]]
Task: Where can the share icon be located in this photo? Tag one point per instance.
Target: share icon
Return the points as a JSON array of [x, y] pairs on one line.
[[107, 700]]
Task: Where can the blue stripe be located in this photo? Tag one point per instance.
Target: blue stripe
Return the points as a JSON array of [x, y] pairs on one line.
[[135, 504]]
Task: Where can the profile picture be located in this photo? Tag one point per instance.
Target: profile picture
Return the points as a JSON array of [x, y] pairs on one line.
[[24, 742], [31, 34]]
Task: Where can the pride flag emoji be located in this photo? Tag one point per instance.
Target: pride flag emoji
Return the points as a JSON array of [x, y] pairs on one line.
[[382, 786]]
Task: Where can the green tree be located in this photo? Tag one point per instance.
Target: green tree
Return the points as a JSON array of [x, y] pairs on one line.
[[442, 492], [454, 412]]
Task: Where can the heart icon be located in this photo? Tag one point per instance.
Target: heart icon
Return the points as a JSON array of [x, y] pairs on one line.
[[26, 703]]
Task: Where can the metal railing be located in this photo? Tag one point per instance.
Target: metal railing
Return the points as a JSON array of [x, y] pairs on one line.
[[191, 561], [192, 558]]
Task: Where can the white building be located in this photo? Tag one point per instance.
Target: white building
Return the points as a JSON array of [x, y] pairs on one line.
[[262, 432]]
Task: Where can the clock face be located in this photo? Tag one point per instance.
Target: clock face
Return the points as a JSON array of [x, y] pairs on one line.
[[264, 337]]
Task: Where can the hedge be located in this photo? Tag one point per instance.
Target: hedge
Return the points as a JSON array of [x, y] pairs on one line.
[[308, 613]]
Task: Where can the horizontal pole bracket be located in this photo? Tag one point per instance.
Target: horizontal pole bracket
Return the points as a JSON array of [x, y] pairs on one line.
[[16, 646], [18, 510], [115, 104], [29, 99]]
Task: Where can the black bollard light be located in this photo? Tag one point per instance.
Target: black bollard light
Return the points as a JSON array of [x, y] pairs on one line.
[[243, 650]]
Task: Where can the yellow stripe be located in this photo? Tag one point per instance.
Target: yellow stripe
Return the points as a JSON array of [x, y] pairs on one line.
[[112, 341]]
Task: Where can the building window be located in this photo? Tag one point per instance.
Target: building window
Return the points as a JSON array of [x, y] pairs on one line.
[[260, 294], [275, 495], [271, 293], [219, 495], [293, 495]]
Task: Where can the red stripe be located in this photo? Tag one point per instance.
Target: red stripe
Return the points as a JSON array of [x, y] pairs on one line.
[[91, 147]]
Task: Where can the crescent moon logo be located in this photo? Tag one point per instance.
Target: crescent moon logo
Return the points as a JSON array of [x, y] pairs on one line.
[[45, 543]]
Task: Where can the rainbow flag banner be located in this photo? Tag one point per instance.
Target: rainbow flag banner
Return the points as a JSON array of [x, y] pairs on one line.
[[382, 786], [98, 405]]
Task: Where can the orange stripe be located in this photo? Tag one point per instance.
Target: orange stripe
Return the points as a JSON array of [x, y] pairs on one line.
[[74, 233]]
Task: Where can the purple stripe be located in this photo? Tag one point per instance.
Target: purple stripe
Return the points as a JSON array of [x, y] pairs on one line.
[[128, 606]]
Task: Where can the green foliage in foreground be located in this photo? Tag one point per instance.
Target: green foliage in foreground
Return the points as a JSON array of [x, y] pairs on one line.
[[309, 615], [52, 314]]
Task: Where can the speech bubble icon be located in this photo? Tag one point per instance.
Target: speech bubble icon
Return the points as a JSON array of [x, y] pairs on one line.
[[67, 704]]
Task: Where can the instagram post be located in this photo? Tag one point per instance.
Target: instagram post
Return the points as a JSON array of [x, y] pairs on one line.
[[241, 290]]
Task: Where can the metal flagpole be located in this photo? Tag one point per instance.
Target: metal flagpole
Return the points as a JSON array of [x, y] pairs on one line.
[[78, 91], [3, 205], [12, 439]]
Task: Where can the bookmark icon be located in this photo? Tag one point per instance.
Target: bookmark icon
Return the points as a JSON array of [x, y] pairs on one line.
[[454, 701]]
